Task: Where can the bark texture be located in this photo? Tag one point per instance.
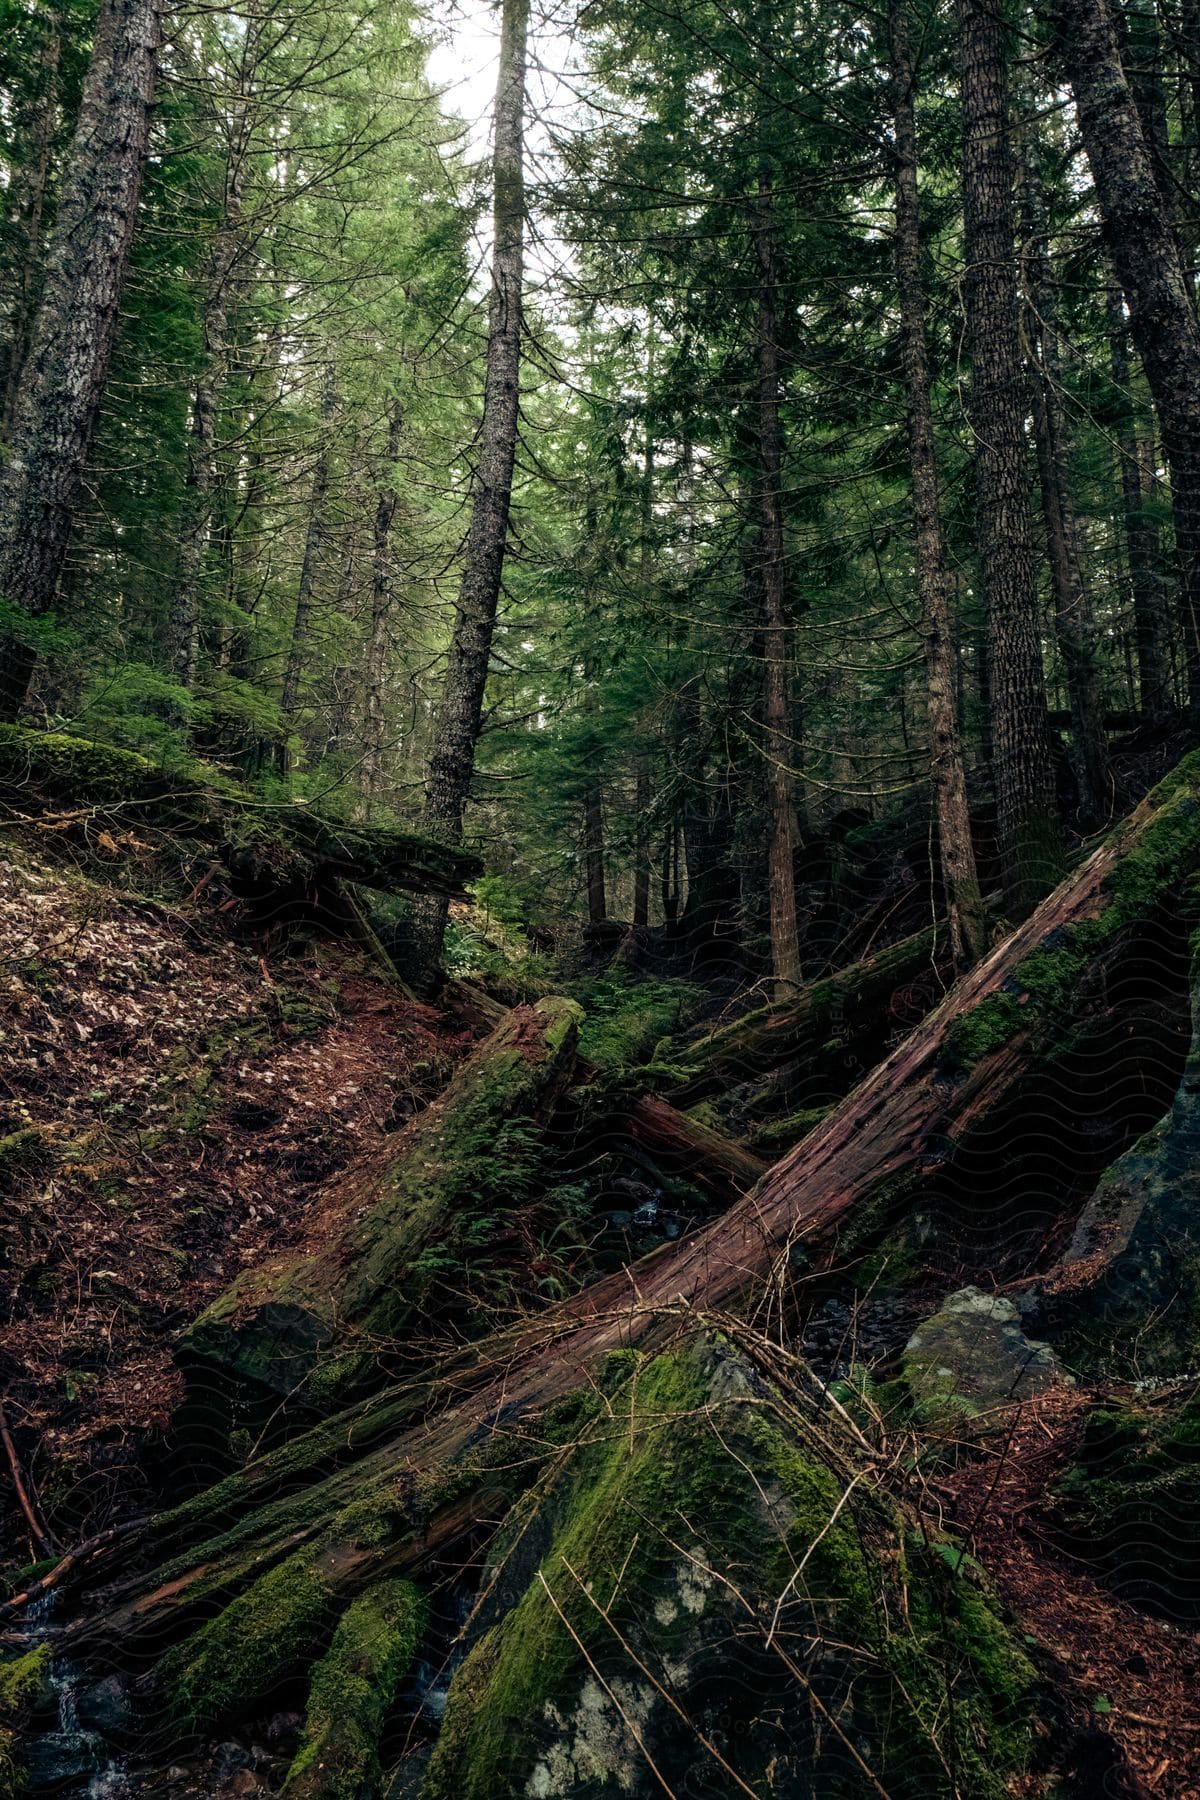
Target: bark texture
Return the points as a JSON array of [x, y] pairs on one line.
[[66, 369], [225, 255], [28, 206], [1143, 552], [964, 904], [777, 652], [452, 762], [382, 605], [1026, 826], [1145, 254], [1074, 616], [314, 543]]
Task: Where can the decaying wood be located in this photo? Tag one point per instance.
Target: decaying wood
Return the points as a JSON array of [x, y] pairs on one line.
[[429, 1446], [682, 1146]]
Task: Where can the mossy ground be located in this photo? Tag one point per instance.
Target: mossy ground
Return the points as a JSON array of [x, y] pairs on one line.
[[1130, 1503]]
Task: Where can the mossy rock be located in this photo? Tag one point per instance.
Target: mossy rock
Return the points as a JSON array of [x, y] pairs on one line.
[[971, 1360], [1130, 1503], [1127, 1291], [710, 1588]]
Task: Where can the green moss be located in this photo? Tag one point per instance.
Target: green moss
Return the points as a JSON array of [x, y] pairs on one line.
[[781, 1135], [694, 1489], [23, 1153], [351, 1691], [23, 1680], [238, 1659], [627, 1015], [1131, 1502], [70, 766]]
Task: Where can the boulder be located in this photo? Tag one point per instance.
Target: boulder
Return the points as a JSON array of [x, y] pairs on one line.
[[973, 1357]]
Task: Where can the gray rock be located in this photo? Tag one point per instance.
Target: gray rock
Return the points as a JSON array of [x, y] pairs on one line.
[[58, 1759], [973, 1356], [105, 1707], [228, 1760]]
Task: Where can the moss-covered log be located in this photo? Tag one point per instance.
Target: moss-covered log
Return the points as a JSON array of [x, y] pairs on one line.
[[436, 1461], [269, 850], [351, 1692], [402, 1243], [852, 1003]]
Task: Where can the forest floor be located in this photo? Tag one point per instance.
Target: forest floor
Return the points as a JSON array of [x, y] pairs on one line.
[[1138, 1675], [172, 1106], [177, 1102]]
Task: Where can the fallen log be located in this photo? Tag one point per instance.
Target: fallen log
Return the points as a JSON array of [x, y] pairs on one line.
[[853, 1003], [693, 1151], [270, 851], [392, 1242], [426, 1466]]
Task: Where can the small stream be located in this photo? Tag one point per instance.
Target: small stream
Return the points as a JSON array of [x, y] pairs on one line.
[[66, 1756]]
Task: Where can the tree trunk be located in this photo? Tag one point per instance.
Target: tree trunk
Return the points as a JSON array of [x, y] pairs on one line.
[[777, 713], [1141, 241], [66, 370], [1074, 619], [28, 204], [452, 761], [593, 854], [382, 598], [1026, 826], [1140, 47], [227, 249], [960, 878], [1147, 593], [641, 778], [314, 539], [641, 849]]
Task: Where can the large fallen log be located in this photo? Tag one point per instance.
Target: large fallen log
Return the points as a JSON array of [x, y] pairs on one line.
[[396, 1245], [270, 851], [423, 1468]]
